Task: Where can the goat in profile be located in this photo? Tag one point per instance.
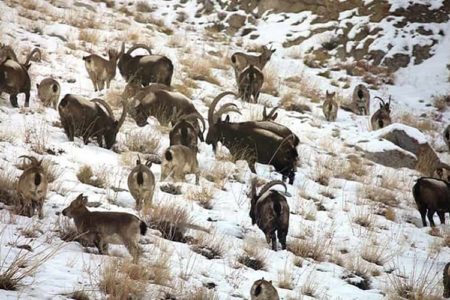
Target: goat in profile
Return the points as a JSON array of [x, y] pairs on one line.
[[141, 183], [382, 117], [100, 70]]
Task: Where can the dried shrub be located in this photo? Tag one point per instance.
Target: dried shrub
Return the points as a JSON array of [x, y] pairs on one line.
[[209, 246], [271, 83], [170, 220], [253, 256], [290, 101], [199, 71], [202, 196], [89, 35], [86, 175], [144, 142]]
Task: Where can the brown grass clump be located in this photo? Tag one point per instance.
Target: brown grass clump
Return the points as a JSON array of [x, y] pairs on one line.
[[202, 196], [143, 142], [253, 256], [441, 102], [218, 173], [285, 277], [143, 7], [8, 194], [89, 35], [170, 220], [210, 246], [271, 83], [199, 71], [316, 246], [423, 124], [377, 194], [290, 101], [86, 175]]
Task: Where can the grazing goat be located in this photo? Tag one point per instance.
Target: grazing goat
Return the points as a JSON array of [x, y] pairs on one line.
[[141, 183], [330, 107], [81, 117], [447, 136], [178, 161], [32, 188], [241, 60], [382, 117], [432, 195], [145, 68], [166, 106], [263, 290], [361, 100], [258, 141], [184, 133], [14, 77], [100, 70], [446, 281], [103, 227], [270, 211], [48, 92], [250, 82]]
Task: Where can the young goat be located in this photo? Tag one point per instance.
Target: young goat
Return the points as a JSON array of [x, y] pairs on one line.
[[446, 281], [240, 60], [270, 211], [250, 82], [141, 183], [178, 161], [263, 290], [32, 188], [432, 195], [48, 92], [382, 117], [330, 107], [100, 70], [103, 227], [361, 100]]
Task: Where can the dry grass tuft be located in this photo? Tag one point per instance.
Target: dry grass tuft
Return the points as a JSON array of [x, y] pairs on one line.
[[218, 173], [317, 246], [210, 246], [202, 196], [253, 256], [290, 101], [423, 124], [144, 142], [285, 277], [170, 220], [441, 102], [199, 71], [86, 175], [143, 7], [271, 83], [89, 35]]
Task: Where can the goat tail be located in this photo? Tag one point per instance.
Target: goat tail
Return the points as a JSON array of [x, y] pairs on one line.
[[143, 227]]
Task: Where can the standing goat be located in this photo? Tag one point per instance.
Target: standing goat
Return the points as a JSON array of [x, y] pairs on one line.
[[14, 77], [270, 211], [264, 142], [145, 68], [32, 188], [81, 117], [141, 183], [263, 290], [178, 161], [250, 82], [330, 107], [446, 281], [102, 227], [240, 60], [382, 117], [48, 92], [432, 195], [100, 70], [361, 100]]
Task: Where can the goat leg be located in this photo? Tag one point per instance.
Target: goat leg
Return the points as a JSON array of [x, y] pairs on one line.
[[282, 238], [27, 98], [441, 215], [423, 213], [13, 100], [430, 217], [274, 241]]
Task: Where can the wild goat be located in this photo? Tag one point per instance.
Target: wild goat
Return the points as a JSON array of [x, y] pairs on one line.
[[240, 60], [32, 188], [100, 70], [432, 195], [446, 281], [270, 211], [184, 133], [250, 82], [330, 107], [253, 141], [81, 117], [178, 161], [447, 136], [141, 183], [14, 77], [166, 106], [263, 290], [382, 117], [145, 68], [48, 92], [103, 227], [361, 100]]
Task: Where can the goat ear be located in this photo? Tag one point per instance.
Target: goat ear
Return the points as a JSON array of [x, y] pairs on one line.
[[381, 105], [84, 200], [273, 50]]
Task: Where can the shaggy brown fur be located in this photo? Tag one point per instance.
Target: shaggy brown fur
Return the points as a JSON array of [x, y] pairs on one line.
[[141, 183], [178, 161], [49, 91]]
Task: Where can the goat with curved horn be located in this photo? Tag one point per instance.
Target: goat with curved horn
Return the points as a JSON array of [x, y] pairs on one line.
[[137, 46], [30, 55], [382, 117]]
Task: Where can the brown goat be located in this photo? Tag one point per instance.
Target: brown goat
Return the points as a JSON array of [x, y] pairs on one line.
[[14, 77], [250, 82], [100, 70], [330, 107], [141, 183], [432, 195], [360, 104], [48, 92], [263, 290], [270, 211], [32, 188], [103, 227], [178, 161], [446, 281], [240, 60], [382, 117]]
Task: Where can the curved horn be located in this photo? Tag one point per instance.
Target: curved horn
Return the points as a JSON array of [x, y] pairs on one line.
[[122, 49], [196, 116], [270, 185], [382, 101], [35, 50], [33, 159], [123, 115], [229, 107], [136, 46], [138, 160], [105, 105], [213, 105]]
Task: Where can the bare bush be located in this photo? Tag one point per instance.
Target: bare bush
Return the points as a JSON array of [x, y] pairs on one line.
[[202, 196], [199, 71], [170, 220], [253, 256], [209, 246], [144, 142], [86, 175]]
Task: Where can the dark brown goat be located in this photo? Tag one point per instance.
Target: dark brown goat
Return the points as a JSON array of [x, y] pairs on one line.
[[184, 133], [268, 124], [382, 117], [145, 68], [252, 141], [250, 82], [166, 106], [81, 117], [270, 211], [446, 281], [432, 195], [14, 77]]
